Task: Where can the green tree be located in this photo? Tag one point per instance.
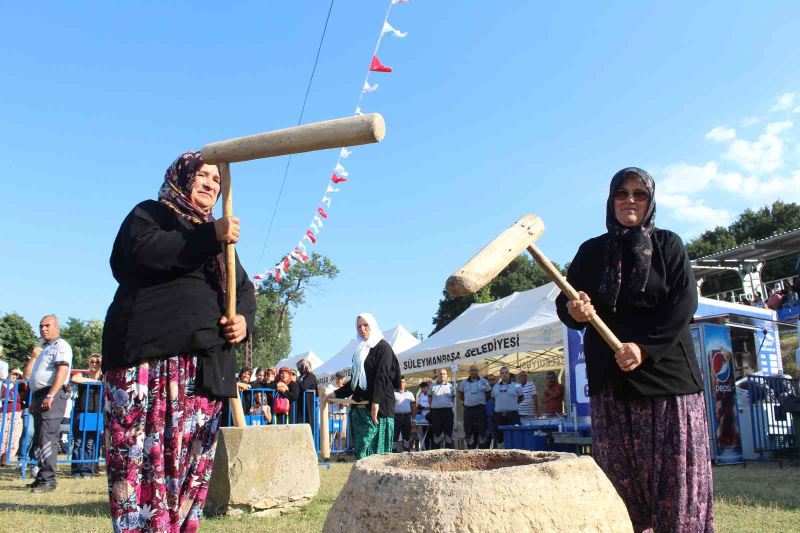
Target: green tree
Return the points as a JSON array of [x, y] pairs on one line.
[[85, 338], [521, 275], [17, 337], [276, 300], [750, 225]]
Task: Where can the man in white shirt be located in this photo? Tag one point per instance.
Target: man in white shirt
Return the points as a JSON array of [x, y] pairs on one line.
[[507, 396], [529, 406], [442, 394], [404, 407], [473, 393], [48, 375]]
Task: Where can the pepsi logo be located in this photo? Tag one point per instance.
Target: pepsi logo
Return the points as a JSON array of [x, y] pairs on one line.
[[721, 366]]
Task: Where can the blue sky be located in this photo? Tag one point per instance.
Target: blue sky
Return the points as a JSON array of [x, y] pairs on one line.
[[493, 110]]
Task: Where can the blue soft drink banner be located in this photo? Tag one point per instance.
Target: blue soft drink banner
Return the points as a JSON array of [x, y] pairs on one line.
[[718, 353], [768, 348], [578, 384]]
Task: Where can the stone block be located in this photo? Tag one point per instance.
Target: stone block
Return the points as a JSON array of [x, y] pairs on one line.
[[263, 470], [474, 491]]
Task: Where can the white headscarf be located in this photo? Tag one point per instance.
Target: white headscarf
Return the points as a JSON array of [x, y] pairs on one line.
[[359, 378]]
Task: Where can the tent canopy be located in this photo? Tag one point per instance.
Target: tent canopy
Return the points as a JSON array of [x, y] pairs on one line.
[[291, 361], [521, 331], [398, 338]]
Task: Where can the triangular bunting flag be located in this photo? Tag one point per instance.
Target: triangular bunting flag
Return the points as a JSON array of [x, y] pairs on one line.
[[399, 1], [321, 211], [387, 28], [286, 264], [358, 111], [277, 273], [377, 66], [341, 170], [337, 179], [311, 237], [326, 200], [300, 256], [345, 153], [331, 189], [370, 88]]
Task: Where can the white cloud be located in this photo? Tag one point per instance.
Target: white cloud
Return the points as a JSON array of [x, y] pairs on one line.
[[764, 155], [749, 121], [721, 133], [695, 211], [784, 102]]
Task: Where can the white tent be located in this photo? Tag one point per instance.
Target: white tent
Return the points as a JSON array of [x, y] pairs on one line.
[[398, 338], [291, 361], [521, 331]]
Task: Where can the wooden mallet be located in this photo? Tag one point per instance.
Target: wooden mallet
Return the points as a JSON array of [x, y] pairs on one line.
[[350, 131], [499, 253]]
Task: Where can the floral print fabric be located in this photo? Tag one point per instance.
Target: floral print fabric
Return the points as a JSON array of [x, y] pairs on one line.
[[160, 439], [655, 452]]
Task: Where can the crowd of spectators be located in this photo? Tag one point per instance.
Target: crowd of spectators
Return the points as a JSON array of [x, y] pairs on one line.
[[278, 395], [488, 403], [778, 297]]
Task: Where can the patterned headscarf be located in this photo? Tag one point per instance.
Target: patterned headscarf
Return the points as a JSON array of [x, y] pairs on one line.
[[176, 192], [639, 237]]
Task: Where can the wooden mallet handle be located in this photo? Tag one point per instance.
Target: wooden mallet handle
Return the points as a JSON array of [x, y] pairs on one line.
[[235, 403], [596, 322]]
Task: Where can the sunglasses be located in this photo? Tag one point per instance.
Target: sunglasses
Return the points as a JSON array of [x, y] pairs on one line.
[[639, 195]]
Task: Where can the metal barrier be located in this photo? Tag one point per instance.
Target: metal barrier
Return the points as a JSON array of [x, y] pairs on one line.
[[83, 427], [258, 403], [776, 425]]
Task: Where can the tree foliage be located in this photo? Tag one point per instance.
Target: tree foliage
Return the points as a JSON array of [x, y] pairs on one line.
[[17, 337], [521, 275], [748, 227], [85, 338], [276, 300]]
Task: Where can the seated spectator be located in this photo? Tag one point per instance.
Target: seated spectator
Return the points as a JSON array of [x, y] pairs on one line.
[[758, 301], [11, 400], [775, 299], [85, 419], [790, 300]]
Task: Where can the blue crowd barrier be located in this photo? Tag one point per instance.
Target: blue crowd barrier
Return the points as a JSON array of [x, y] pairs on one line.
[[774, 414], [83, 427], [304, 410]]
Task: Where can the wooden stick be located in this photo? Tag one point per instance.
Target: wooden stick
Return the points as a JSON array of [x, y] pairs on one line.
[[572, 294], [235, 404], [324, 429], [350, 131]]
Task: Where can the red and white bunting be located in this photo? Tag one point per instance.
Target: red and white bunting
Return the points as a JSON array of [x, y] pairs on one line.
[[300, 253]]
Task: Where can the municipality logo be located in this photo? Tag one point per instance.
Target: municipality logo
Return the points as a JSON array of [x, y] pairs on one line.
[[721, 366]]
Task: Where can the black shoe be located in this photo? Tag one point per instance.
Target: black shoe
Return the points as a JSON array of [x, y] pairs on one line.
[[31, 485], [44, 487]]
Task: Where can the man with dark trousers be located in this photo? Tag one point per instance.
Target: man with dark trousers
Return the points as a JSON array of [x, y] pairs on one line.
[[48, 374]]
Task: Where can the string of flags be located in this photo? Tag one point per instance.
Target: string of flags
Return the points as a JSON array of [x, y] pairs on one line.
[[340, 174]]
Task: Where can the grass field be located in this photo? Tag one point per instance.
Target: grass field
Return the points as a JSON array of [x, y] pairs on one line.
[[759, 498]]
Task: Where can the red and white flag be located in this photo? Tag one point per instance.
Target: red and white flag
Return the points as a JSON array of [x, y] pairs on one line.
[[377, 66], [387, 28]]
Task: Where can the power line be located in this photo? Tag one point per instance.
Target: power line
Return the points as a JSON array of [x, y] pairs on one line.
[[299, 121]]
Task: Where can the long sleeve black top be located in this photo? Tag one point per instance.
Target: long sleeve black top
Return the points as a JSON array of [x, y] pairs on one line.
[[383, 377], [167, 301], [657, 320]]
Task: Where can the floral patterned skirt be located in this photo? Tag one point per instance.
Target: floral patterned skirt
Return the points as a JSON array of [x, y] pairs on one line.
[[655, 452], [160, 441]]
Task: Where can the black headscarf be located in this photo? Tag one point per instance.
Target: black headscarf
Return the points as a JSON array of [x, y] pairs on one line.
[[639, 236]]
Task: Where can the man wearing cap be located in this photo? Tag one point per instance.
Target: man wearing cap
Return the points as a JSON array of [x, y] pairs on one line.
[[472, 392], [48, 375]]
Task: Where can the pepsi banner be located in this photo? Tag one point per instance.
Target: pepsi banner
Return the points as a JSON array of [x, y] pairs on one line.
[[718, 353]]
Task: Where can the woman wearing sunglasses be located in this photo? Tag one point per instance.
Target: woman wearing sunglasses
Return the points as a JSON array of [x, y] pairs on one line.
[[649, 432]]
